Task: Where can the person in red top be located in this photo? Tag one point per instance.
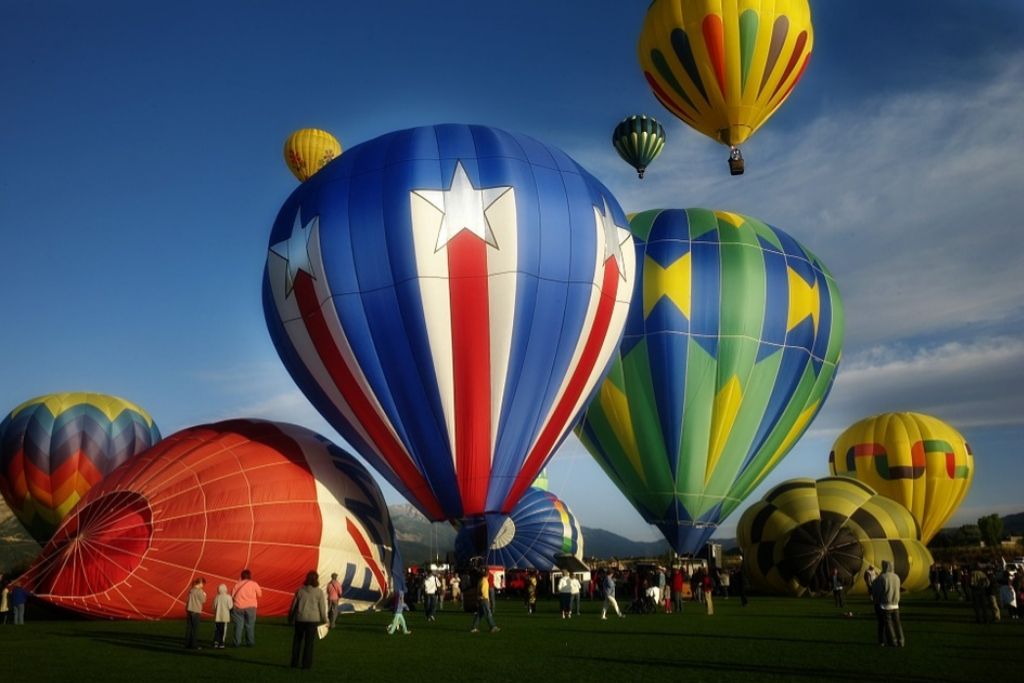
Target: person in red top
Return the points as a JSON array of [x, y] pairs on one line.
[[677, 590], [246, 596], [333, 598]]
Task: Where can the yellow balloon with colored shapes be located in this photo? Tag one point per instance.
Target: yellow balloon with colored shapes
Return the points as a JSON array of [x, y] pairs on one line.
[[724, 66], [308, 150], [917, 460]]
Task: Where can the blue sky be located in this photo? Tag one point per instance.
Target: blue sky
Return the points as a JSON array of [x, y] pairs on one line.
[[143, 171]]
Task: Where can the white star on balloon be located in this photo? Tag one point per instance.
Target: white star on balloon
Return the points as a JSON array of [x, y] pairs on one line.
[[464, 208], [295, 251], [614, 237]]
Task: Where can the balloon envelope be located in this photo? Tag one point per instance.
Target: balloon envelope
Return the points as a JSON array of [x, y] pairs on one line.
[[308, 150], [539, 527], [730, 350], [917, 460], [803, 529], [54, 448], [448, 297], [639, 140], [211, 501], [723, 68]]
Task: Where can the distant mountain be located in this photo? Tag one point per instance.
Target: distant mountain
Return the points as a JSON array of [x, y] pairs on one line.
[[419, 540], [1014, 524], [606, 545], [17, 548]]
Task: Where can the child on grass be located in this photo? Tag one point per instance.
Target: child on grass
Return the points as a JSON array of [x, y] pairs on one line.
[[222, 605], [399, 620]]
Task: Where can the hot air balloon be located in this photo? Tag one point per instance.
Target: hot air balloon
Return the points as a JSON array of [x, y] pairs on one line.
[[308, 150], [54, 448], [917, 460], [730, 349], [723, 68], [539, 527], [802, 529], [639, 140], [210, 501], [448, 298]]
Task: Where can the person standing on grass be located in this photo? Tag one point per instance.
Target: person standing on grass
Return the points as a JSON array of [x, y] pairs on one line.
[[333, 599], [837, 588], [5, 605], [574, 602], [222, 605], [979, 595], [308, 611], [483, 607], [456, 588], [678, 581], [17, 599], [246, 596], [431, 584], [725, 581], [194, 602], [740, 580], [885, 591], [565, 595], [608, 586], [709, 591], [869, 577], [531, 593], [398, 622]]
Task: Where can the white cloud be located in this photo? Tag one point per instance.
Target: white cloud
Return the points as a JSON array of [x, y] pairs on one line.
[[976, 384], [914, 201]]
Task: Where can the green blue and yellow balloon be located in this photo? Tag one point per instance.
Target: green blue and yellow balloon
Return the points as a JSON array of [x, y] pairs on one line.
[[730, 348]]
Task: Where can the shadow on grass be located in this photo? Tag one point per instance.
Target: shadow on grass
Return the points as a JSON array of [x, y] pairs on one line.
[[717, 636], [724, 668], [164, 644]]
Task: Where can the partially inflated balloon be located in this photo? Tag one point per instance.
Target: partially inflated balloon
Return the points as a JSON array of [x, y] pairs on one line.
[[211, 501], [638, 140], [723, 68], [730, 349], [917, 460], [54, 448], [539, 528], [448, 297], [803, 529], [308, 150]]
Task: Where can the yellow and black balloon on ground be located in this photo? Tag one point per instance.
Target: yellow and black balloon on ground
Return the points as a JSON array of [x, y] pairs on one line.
[[639, 140], [802, 529], [724, 67], [307, 150], [917, 460]]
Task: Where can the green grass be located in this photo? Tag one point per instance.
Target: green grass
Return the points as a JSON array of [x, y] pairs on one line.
[[771, 639]]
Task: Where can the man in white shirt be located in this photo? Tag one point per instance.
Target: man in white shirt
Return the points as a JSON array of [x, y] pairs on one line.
[[430, 587], [574, 604]]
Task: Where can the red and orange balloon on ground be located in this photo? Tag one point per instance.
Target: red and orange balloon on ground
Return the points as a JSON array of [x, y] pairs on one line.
[[210, 501]]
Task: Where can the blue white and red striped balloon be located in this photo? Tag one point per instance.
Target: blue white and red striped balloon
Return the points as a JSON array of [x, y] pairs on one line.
[[448, 297]]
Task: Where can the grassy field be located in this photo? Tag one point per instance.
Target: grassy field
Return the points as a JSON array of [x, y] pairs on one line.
[[771, 639]]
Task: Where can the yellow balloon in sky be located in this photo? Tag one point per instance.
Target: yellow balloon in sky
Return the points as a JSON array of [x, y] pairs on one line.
[[308, 150], [917, 460], [724, 66]]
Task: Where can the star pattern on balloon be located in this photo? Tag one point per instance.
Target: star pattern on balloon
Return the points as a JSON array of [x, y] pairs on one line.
[[614, 237], [464, 207], [295, 250]]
